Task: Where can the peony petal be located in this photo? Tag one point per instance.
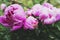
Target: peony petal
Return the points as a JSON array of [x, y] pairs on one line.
[[48, 5], [50, 20], [16, 26], [3, 21]]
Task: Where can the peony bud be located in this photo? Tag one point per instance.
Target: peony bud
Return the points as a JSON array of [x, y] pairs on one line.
[[3, 6]]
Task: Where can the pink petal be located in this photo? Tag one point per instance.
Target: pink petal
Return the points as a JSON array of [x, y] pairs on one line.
[[3, 21]]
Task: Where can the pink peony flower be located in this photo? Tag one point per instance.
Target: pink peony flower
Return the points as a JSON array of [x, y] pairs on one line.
[[14, 17], [3, 6], [31, 23], [16, 10]]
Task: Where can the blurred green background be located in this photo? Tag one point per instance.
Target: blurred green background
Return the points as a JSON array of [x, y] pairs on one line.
[[44, 32]]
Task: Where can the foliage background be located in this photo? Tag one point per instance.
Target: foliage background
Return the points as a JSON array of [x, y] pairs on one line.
[[44, 32]]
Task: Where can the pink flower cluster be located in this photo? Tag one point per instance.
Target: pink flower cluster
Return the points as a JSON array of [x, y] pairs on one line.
[[46, 13], [15, 17]]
